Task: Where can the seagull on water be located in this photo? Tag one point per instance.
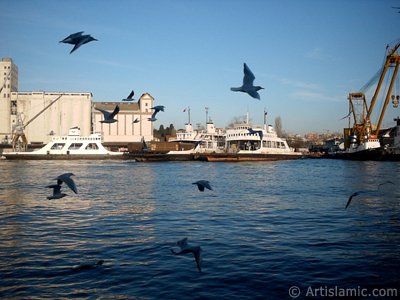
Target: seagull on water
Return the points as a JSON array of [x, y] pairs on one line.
[[248, 86], [78, 39], [186, 248], [202, 184], [109, 117], [157, 109], [85, 267], [130, 97]]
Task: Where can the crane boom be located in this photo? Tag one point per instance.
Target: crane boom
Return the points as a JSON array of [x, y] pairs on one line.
[[40, 112]]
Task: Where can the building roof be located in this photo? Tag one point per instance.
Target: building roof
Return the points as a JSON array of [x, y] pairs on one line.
[[124, 106]]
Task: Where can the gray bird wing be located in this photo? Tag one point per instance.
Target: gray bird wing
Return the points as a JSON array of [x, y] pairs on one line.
[[68, 181], [249, 77], [197, 256], [254, 94], [131, 95], [206, 184], [115, 112], [105, 113], [153, 116], [77, 45]]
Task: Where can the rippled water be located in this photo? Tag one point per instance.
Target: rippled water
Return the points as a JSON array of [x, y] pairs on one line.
[[267, 226]]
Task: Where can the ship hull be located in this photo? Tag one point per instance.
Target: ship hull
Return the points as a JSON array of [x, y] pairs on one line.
[[372, 154], [27, 156], [237, 157]]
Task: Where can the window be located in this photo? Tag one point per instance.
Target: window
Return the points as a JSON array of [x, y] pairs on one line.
[[75, 146], [57, 146], [92, 146]]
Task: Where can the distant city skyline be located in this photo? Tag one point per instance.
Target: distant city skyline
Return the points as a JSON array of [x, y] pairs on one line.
[[308, 55]]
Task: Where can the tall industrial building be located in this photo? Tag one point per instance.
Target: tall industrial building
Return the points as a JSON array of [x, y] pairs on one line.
[[8, 84], [39, 115]]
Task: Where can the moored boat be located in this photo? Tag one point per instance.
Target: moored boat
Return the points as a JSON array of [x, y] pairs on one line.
[[71, 146]]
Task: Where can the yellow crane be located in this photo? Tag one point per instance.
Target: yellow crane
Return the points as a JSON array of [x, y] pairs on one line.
[[362, 128]]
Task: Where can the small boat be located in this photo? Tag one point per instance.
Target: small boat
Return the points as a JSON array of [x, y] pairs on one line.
[[72, 146]]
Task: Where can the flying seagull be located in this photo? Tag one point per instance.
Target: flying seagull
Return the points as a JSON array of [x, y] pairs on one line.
[[346, 116], [372, 193], [186, 248], [201, 184], [109, 117], [130, 97], [78, 39], [157, 109], [259, 132], [136, 120], [56, 192], [351, 197], [248, 86], [66, 177]]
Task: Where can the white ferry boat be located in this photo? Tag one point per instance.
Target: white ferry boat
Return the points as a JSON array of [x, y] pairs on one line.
[[211, 140], [72, 146], [246, 143]]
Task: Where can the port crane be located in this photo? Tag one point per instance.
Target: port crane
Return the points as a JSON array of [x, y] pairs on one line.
[[19, 128], [363, 129]]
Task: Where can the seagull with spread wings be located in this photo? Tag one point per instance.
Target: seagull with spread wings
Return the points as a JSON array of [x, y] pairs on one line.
[[109, 117], [248, 86]]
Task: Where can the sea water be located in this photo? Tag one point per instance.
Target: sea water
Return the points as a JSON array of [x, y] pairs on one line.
[[268, 230]]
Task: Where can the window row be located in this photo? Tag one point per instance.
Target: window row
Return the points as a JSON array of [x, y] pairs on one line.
[[74, 146]]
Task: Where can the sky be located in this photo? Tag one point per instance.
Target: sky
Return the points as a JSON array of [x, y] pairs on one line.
[[308, 55]]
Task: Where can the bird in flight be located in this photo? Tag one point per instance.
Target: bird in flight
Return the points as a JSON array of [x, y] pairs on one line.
[[259, 132], [397, 7], [376, 193], [130, 97], [109, 117], [351, 197], [157, 109], [78, 39], [186, 248], [136, 120], [56, 192], [202, 184], [66, 178], [248, 86]]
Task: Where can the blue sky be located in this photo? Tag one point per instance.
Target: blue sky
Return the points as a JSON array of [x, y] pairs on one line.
[[308, 55]]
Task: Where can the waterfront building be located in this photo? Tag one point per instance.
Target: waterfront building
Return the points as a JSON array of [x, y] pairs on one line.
[[8, 84], [40, 115], [37, 116], [125, 130]]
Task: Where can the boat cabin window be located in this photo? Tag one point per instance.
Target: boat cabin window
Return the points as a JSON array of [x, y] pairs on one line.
[[57, 146], [75, 146], [92, 146]]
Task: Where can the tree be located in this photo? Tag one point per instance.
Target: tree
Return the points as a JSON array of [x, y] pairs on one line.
[[238, 120], [278, 126]]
